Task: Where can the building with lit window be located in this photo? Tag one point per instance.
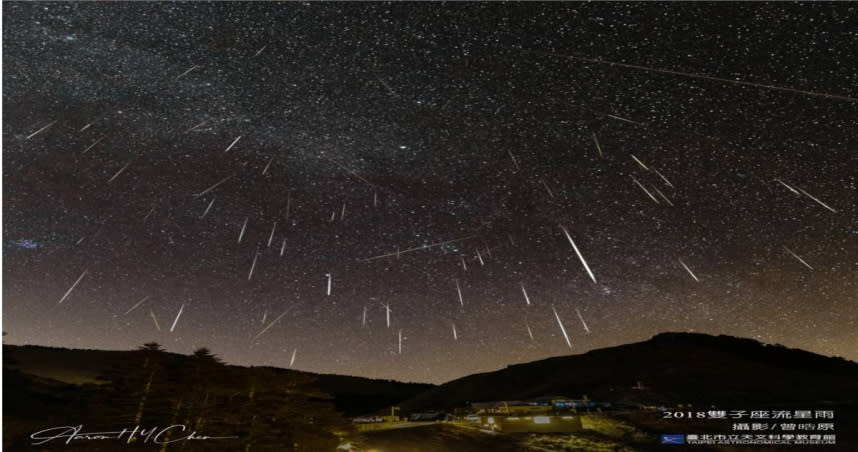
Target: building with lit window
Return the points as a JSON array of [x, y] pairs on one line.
[[538, 405], [555, 414], [528, 424]]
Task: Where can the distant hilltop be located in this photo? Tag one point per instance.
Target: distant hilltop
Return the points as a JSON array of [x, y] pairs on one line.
[[670, 368]]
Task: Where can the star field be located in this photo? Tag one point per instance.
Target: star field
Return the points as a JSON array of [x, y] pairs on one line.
[[222, 159]]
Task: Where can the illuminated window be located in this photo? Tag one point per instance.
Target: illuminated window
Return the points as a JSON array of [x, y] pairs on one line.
[[490, 420], [541, 419]]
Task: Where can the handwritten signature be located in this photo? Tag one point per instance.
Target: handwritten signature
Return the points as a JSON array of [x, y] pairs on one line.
[[156, 435]]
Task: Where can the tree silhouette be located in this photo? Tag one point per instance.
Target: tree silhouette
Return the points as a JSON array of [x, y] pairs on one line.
[[266, 409], [281, 411], [199, 386], [151, 347], [136, 387]]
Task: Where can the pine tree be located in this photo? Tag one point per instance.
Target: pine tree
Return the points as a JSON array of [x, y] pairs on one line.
[[135, 385]]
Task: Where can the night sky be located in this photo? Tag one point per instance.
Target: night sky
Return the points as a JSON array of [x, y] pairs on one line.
[[361, 129]]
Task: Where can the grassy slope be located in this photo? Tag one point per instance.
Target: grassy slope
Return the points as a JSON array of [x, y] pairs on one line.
[[352, 395]]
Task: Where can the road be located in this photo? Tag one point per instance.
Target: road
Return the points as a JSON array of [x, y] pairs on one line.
[[437, 438]]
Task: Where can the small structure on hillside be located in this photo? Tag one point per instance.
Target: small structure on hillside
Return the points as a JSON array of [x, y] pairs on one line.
[[537, 405], [528, 424], [549, 414], [426, 416]]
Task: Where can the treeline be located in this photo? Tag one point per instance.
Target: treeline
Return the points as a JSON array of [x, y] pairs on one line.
[[263, 409]]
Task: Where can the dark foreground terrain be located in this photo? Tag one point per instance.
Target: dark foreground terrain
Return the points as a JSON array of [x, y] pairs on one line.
[[351, 396], [441, 438], [667, 370], [277, 409], [602, 434], [434, 438]]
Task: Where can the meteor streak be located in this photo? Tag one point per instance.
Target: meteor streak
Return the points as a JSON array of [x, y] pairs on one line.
[[639, 162], [526, 298], [598, 146], [689, 270], [798, 257], [40, 130], [582, 320], [548, 190], [68, 292], [703, 77], [645, 190], [787, 186], [253, 265], [352, 172], [208, 208], [243, 227], [271, 237], [214, 186], [586, 267], [514, 161], [119, 172], [561, 327], [667, 182], [232, 144], [87, 126], [195, 127], [186, 72], [459, 290], [136, 305], [422, 247], [270, 325], [663, 196], [92, 145], [387, 313], [152, 314], [182, 308], [818, 201]]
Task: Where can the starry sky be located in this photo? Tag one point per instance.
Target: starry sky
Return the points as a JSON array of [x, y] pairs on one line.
[[702, 158]]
